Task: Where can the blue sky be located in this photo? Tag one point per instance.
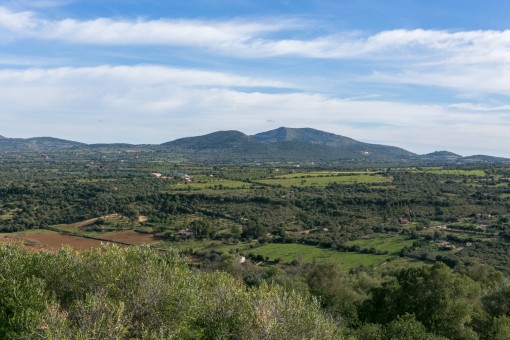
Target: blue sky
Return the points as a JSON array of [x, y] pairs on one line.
[[423, 75]]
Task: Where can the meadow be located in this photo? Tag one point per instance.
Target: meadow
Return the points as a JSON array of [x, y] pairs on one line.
[[389, 243], [305, 253], [323, 179]]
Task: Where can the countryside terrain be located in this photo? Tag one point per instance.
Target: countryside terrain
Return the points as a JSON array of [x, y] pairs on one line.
[[365, 240]]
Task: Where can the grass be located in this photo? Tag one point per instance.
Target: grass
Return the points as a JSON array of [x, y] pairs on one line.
[[324, 180], [120, 222], [436, 171], [323, 174], [301, 252], [391, 244]]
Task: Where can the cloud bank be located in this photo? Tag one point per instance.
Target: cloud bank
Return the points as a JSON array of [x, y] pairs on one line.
[[153, 104], [156, 103]]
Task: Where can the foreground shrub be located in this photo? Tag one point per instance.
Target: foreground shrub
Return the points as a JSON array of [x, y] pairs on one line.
[[137, 292]]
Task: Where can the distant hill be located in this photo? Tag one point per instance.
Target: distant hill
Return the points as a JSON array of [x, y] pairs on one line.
[[485, 159], [38, 143], [313, 136], [285, 144], [307, 135], [215, 140], [443, 156], [280, 145]]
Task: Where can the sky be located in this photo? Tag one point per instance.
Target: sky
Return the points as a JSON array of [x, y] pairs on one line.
[[422, 75]]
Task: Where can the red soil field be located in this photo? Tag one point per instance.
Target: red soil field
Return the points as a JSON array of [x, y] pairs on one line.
[[36, 240]]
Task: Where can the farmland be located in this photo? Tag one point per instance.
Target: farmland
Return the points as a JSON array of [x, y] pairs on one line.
[[391, 244], [304, 253], [37, 240], [335, 234], [322, 179], [455, 172]]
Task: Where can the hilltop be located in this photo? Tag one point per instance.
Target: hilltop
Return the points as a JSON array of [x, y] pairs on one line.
[[279, 145]]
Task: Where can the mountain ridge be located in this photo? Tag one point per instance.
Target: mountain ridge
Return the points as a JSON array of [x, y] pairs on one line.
[[281, 144]]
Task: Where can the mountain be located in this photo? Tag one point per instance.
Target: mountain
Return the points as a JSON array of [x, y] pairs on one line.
[[38, 143], [215, 140], [485, 159], [285, 144], [442, 156], [229, 147], [308, 135]]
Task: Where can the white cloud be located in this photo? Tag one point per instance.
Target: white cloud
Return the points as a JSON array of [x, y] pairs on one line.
[[467, 61], [218, 34], [251, 38], [155, 103], [478, 107], [152, 104], [20, 21]]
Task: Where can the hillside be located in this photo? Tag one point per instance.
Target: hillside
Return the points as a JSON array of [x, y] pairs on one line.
[[445, 156], [38, 143], [215, 140], [284, 144], [304, 135], [307, 135]]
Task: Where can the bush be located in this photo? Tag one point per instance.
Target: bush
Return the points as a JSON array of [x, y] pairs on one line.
[[137, 292]]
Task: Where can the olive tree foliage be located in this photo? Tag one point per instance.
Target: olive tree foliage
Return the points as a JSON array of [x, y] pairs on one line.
[[441, 300], [137, 292]]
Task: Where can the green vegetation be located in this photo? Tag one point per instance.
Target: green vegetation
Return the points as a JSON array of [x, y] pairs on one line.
[[113, 293], [334, 241], [454, 172], [391, 244], [321, 179], [304, 253]]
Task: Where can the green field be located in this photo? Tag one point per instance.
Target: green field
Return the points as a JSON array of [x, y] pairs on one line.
[[391, 244], [324, 174], [436, 171], [323, 179], [300, 252]]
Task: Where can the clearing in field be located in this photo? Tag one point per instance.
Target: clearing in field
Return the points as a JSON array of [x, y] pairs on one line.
[[392, 244], [92, 226], [320, 179], [436, 171], [306, 253]]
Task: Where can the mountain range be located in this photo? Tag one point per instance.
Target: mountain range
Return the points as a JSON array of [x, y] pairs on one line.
[[279, 145]]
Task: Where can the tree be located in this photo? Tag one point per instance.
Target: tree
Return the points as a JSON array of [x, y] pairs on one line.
[[500, 328], [440, 299]]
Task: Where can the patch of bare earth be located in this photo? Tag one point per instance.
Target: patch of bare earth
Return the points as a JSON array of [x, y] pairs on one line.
[[48, 240]]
